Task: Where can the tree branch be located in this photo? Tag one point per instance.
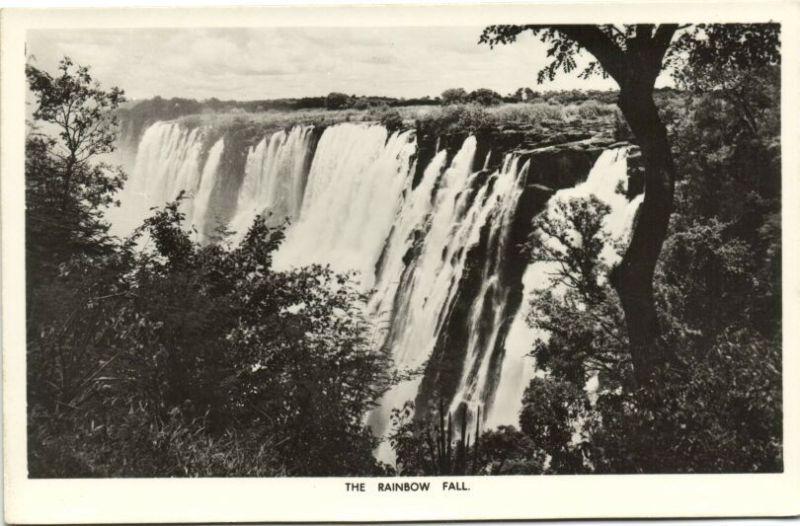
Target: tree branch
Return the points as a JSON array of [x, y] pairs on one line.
[[607, 52]]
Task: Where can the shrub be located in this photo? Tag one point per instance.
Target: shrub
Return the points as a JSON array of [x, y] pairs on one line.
[[186, 359], [459, 117]]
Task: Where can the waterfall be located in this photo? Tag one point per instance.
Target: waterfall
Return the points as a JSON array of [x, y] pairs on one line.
[[417, 289], [169, 159], [607, 174], [274, 178], [427, 283], [199, 216], [441, 260], [489, 308], [354, 189]]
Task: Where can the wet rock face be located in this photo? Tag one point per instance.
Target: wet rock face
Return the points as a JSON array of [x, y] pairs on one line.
[[238, 142], [446, 365], [553, 166], [564, 165]]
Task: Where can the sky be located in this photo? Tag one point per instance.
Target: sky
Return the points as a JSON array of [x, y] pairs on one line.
[[267, 63]]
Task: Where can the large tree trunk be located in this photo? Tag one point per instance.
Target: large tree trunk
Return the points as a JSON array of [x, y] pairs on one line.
[[633, 277]]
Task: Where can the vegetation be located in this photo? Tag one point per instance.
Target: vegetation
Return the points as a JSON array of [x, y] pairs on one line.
[[158, 356], [437, 449], [634, 56], [177, 359], [716, 406]]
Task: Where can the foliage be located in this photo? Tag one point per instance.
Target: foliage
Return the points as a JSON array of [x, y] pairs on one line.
[[335, 101], [553, 413], [79, 107], [485, 97], [579, 312], [157, 356], [391, 119], [719, 407], [66, 191], [423, 448], [459, 117], [525, 94], [717, 285], [454, 96], [722, 56], [567, 41], [210, 338]]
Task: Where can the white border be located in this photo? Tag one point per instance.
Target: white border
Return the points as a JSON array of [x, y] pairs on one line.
[[324, 499]]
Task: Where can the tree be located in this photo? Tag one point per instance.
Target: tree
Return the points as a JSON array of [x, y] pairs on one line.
[[81, 109], [524, 95], [634, 56], [67, 189], [454, 96], [717, 289], [336, 101], [485, 97], [720, 63]]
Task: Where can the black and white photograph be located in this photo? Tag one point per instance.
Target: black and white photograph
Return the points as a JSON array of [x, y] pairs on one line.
[[401, 258]]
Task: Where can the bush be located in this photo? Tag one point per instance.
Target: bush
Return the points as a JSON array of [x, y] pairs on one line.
[[589, 109], [188, 359], [390, 118], [459, 117], [528, 113]]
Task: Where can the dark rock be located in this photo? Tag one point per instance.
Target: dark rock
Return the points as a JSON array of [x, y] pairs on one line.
[[564, 165], [484, 260]]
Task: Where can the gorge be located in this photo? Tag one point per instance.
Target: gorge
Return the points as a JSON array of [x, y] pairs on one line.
[[432, 223]]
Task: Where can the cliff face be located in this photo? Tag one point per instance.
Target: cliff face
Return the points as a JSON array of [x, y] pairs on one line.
[[486, 288], [552, 166], [239, 139]]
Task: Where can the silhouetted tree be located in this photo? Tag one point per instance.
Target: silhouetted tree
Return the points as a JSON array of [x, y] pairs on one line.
[[634, 56]]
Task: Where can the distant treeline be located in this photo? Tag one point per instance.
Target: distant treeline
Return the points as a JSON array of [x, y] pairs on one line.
[[178, 106], [136, 115]]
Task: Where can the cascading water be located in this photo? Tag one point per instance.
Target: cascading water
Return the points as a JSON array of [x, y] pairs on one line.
[[608, 173], [199, 215], [354, 189], [418, 289], [170, 159], [274, 178], [438, 257], [488, 310]]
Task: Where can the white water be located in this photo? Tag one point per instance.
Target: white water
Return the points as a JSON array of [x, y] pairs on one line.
[[353, 193], [202, 200], [274, 178], [437, 227], [609, 171], [352, 205], [169, 160], [473, 389]]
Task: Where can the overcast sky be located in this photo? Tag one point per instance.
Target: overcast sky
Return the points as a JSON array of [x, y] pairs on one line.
[[253, 63]]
